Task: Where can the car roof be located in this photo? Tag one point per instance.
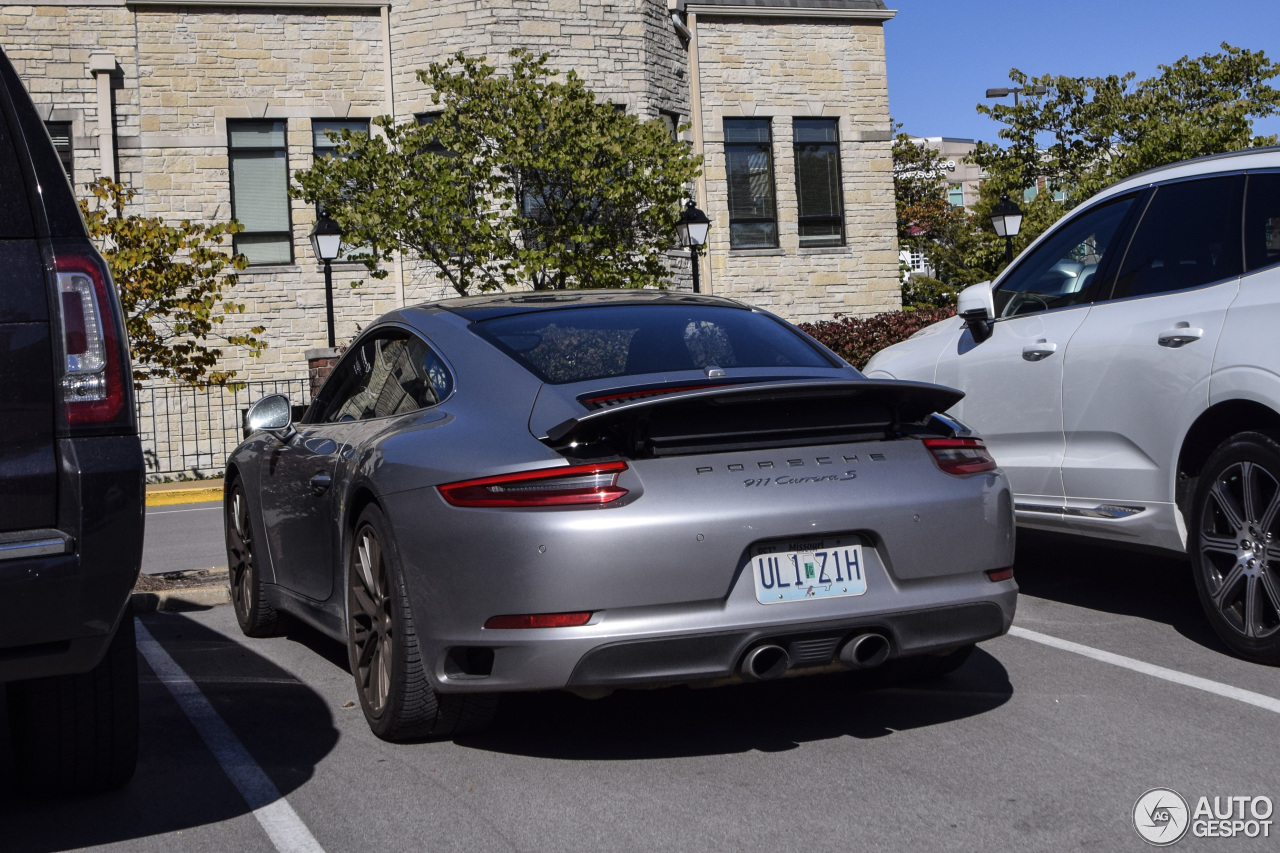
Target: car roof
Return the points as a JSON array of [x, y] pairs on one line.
[[1267, 157], [489, 306]]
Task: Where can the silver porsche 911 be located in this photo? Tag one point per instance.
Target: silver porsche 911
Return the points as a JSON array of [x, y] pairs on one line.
[[593, 490]]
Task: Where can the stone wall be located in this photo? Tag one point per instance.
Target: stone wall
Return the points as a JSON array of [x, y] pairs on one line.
[[783, 68]]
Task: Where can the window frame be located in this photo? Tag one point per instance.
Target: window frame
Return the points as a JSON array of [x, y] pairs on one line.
[[839, 217], [767, 148], [231, 181]]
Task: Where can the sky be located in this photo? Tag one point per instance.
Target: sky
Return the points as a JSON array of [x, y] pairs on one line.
[[944, 54]]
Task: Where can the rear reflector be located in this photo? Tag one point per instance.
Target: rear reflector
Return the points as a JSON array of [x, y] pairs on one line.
[[576, 485], [540, 620], [997, 575], [960, 456]]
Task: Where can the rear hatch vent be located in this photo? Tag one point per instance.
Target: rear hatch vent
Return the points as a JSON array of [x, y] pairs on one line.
[[750, 416]]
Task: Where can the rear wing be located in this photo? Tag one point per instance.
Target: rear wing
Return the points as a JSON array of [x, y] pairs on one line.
[[753, 416]]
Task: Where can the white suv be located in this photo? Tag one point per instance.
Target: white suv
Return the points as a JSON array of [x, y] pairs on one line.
[[1125, 372]]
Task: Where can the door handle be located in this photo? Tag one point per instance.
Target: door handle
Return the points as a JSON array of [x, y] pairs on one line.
[[1039, 351], [1179, 335], [320, 483]]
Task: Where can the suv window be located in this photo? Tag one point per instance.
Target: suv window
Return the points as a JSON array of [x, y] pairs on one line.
[[1065, 269], [15, 213], [389, 374], [1188, 237], [1262, 221]]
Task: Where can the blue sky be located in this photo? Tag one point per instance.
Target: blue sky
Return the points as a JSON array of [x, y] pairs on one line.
[[943, 56]]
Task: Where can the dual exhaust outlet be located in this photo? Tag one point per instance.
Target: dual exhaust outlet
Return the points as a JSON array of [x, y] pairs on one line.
[[767, 662]]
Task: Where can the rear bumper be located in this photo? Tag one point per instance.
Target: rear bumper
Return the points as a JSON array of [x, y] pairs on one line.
[[59, 607], [626, 654]]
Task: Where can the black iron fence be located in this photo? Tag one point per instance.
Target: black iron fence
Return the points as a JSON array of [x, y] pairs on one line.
[[190, 430]]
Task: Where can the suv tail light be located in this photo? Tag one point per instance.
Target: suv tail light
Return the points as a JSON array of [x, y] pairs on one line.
[[960, 456], [577, 485], [93, 380]]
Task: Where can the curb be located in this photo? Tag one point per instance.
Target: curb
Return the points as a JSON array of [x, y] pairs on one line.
[[192, 598], [191, 495]]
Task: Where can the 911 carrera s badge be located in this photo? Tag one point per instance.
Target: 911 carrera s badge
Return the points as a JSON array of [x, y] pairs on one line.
[[757, 482]]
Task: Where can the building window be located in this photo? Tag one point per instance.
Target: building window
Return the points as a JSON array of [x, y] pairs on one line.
[[748, 157], [818, 194], [434, 147], [323, 146], [955, 195], [260, 190], [60, 133]]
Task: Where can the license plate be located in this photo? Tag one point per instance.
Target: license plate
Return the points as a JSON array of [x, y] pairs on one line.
[[790, 571]]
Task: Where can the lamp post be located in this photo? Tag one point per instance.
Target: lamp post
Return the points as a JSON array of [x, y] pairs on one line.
[[1006, 218], [326, 241], [692, 231], [1005, 92]]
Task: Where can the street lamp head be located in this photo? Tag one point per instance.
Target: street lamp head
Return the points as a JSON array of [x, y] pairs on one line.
[[1006, 218], [326, 238], [693, 226], [998, 93]]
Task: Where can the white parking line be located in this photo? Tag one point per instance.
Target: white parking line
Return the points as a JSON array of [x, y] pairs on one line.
[[283, 826], [1217, 688]]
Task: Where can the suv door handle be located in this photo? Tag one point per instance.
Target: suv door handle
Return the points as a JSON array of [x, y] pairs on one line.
[[320, 483], [1039, 351], [1179, 335]]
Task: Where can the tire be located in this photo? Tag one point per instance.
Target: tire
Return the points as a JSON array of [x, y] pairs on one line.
[[391, 678], [1234, 543], [78, 734], [257, 618]]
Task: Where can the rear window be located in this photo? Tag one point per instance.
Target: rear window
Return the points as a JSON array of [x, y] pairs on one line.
[[578, 344]]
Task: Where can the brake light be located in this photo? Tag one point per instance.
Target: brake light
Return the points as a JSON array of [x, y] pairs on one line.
[[960, 456], [606, 400], [93, 376], [540, 620], [573, 486]]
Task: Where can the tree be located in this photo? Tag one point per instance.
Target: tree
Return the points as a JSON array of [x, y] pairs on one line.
[[172, 282], [1099, 130], [520, 180], [927, 222]]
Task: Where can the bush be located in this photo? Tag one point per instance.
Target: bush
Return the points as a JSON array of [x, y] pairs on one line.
[[856, 339], [922, 291]]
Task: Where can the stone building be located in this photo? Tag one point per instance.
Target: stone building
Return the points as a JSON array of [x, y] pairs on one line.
[[207, 107]]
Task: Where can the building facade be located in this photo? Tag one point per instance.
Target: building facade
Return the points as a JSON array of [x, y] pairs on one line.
[[207, 108]]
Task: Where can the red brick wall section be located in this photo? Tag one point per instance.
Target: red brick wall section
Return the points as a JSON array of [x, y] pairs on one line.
[[318, 369]]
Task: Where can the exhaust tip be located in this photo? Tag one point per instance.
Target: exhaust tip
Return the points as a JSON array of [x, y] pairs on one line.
[[764, 663], [865, 651]]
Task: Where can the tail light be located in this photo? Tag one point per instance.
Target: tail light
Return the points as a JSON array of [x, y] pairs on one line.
[[93, 380], [997, 575], [960, 456], [577, 485], [540, 620]]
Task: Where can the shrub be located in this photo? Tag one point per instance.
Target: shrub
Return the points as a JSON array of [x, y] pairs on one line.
[[922, 291], [856, 339]]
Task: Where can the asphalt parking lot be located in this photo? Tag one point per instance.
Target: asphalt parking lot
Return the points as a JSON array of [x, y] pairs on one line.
[[258, 745]]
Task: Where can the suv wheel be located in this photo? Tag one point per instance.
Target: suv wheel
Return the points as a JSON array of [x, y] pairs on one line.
[[1235, 544], [78, 734]]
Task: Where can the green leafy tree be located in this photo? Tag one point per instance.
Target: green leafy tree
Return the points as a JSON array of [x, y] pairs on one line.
[[1084, 133], [172, 282], [927, 222], [521, 180]]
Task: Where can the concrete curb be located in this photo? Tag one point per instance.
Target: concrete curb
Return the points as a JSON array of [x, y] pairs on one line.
[[166, 494], [181, 599]]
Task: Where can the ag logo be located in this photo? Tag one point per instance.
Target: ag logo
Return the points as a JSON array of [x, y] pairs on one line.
[[1161, 816]]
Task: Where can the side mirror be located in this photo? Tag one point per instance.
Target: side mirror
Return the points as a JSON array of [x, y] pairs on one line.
[[273, 414], [977, 308]]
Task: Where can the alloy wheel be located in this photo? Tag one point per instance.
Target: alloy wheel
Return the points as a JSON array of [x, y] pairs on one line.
[[240, 555], [371, 628], [1240, 549]]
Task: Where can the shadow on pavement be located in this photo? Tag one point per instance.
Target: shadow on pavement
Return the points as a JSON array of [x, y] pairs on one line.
[[285, 725], [773, 717], [1153, 586]]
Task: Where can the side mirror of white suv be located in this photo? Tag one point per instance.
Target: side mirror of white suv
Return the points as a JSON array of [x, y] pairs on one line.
[[978, 310]]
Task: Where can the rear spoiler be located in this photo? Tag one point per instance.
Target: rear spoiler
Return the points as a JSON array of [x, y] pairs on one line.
[[753, 415]]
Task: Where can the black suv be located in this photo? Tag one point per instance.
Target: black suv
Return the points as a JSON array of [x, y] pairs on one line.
[[71, 478]]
